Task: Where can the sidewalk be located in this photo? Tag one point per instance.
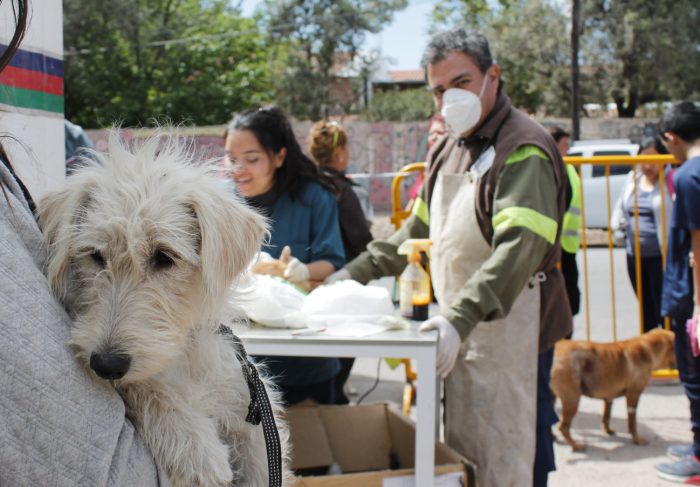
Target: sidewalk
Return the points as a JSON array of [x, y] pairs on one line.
[[609, 461]]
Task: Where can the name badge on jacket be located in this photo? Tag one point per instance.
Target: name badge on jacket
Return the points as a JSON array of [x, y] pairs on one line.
[[484, 162]]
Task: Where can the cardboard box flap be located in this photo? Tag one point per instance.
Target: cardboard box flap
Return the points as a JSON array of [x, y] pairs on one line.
[[359, 436], [403, 437], [403, 434], [310, 447]]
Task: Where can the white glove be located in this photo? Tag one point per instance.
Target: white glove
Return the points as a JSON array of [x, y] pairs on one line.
[[448, 344], [296, 271], [341, 274]]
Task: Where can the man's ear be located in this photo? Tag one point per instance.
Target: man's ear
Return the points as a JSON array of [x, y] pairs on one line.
[[494, 73]]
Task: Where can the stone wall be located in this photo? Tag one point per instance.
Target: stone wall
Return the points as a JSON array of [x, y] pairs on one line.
[[379, 149]]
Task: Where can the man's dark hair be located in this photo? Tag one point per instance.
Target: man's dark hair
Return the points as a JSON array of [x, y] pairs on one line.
[[558, 133], [469, 42], [682, 119]]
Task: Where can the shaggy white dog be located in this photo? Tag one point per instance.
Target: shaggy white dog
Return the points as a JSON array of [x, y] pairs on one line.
[[144, 251]]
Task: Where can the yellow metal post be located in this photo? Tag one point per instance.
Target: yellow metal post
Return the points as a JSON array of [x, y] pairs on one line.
[[398, 215]]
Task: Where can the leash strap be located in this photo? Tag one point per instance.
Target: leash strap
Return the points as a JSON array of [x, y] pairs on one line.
[[259, 409]]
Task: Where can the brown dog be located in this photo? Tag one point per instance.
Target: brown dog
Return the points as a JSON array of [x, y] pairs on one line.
[[606, 371]]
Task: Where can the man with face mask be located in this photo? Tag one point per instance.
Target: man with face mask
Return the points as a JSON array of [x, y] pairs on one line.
[[492, 205]]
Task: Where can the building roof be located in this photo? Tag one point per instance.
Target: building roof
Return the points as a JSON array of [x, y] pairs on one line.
[[407, 76]]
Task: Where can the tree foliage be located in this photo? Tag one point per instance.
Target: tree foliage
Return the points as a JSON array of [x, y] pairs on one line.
[[182, 60], [643, 51], [400, 106], [317, 35], [535, 63]]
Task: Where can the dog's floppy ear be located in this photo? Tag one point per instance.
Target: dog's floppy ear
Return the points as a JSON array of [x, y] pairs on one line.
[[230, 235], [60, 212]]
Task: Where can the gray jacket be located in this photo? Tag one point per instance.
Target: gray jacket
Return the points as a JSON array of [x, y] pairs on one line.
[[58, 426]]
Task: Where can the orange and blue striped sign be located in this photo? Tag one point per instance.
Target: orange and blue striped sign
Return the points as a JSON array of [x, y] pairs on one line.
[[33, 82]]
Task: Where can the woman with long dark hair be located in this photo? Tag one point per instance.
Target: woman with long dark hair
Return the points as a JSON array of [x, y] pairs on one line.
[[269, 169]]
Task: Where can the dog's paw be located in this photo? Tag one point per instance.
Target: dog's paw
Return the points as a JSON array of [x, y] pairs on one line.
[[609, 431], [640, 440], [578, 447], [216, 470], [207, 466]]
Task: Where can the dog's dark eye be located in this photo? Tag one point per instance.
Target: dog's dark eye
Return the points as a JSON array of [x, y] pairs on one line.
[[161, 260], [97, 257]]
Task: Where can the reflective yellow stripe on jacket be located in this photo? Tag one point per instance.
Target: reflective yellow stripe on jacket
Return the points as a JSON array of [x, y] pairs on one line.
[[571, 223], [517, 216], [420, 210]]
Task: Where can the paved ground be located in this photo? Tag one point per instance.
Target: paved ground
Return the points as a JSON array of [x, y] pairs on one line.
[[663, 416]]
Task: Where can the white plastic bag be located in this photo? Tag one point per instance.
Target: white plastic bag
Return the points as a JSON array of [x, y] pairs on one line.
[[349, 301], [273, 302]]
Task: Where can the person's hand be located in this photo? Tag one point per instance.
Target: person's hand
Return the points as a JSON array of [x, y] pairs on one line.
[[296, 271], [339, 275], [448, 344]]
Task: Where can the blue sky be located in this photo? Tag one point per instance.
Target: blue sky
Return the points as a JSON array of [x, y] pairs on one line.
[[401, 41]]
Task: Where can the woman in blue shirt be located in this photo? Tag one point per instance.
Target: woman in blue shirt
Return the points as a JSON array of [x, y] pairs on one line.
[[270, 171]]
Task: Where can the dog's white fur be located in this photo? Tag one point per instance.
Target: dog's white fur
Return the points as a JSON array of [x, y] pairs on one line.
[[107, 230]]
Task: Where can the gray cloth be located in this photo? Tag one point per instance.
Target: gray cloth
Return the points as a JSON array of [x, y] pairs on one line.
[[58, 426], [648, 243]]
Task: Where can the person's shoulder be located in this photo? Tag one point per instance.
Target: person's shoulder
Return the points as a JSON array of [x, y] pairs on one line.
[[686, 180], [688, 171], [315, 191]]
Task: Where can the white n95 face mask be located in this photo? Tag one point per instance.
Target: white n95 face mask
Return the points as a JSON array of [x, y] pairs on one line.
[[461, 109]]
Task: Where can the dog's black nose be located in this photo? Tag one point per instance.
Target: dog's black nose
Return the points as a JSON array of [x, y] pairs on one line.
[[110, 366]]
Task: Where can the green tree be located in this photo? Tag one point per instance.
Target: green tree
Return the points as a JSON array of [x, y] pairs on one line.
[[314, 37], [465, 13], [138, 60], [529, 40], [400, 106], [643, 51]]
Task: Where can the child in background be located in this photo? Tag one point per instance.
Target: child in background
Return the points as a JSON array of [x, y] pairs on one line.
[[680, 130]]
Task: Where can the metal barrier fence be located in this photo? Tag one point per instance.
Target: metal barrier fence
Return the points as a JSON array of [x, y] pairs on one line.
[[616, 162], [602, 167], [619, 165], [608, 163]]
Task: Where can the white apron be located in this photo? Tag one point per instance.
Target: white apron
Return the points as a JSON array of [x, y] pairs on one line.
[[491, 394]]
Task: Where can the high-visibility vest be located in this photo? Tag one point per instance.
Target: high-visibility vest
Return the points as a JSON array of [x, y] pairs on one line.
[[571, 223]]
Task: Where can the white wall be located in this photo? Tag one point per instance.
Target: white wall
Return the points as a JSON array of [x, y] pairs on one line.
[[38, 151]]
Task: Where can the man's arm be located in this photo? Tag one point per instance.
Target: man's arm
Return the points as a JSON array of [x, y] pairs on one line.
[[525, 217], [380, 259]]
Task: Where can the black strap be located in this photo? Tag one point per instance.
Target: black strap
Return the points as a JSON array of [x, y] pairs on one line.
[[27, 196], [259, 408]]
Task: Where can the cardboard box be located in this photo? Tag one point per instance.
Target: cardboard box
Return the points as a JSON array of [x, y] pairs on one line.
[[374, 446]]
